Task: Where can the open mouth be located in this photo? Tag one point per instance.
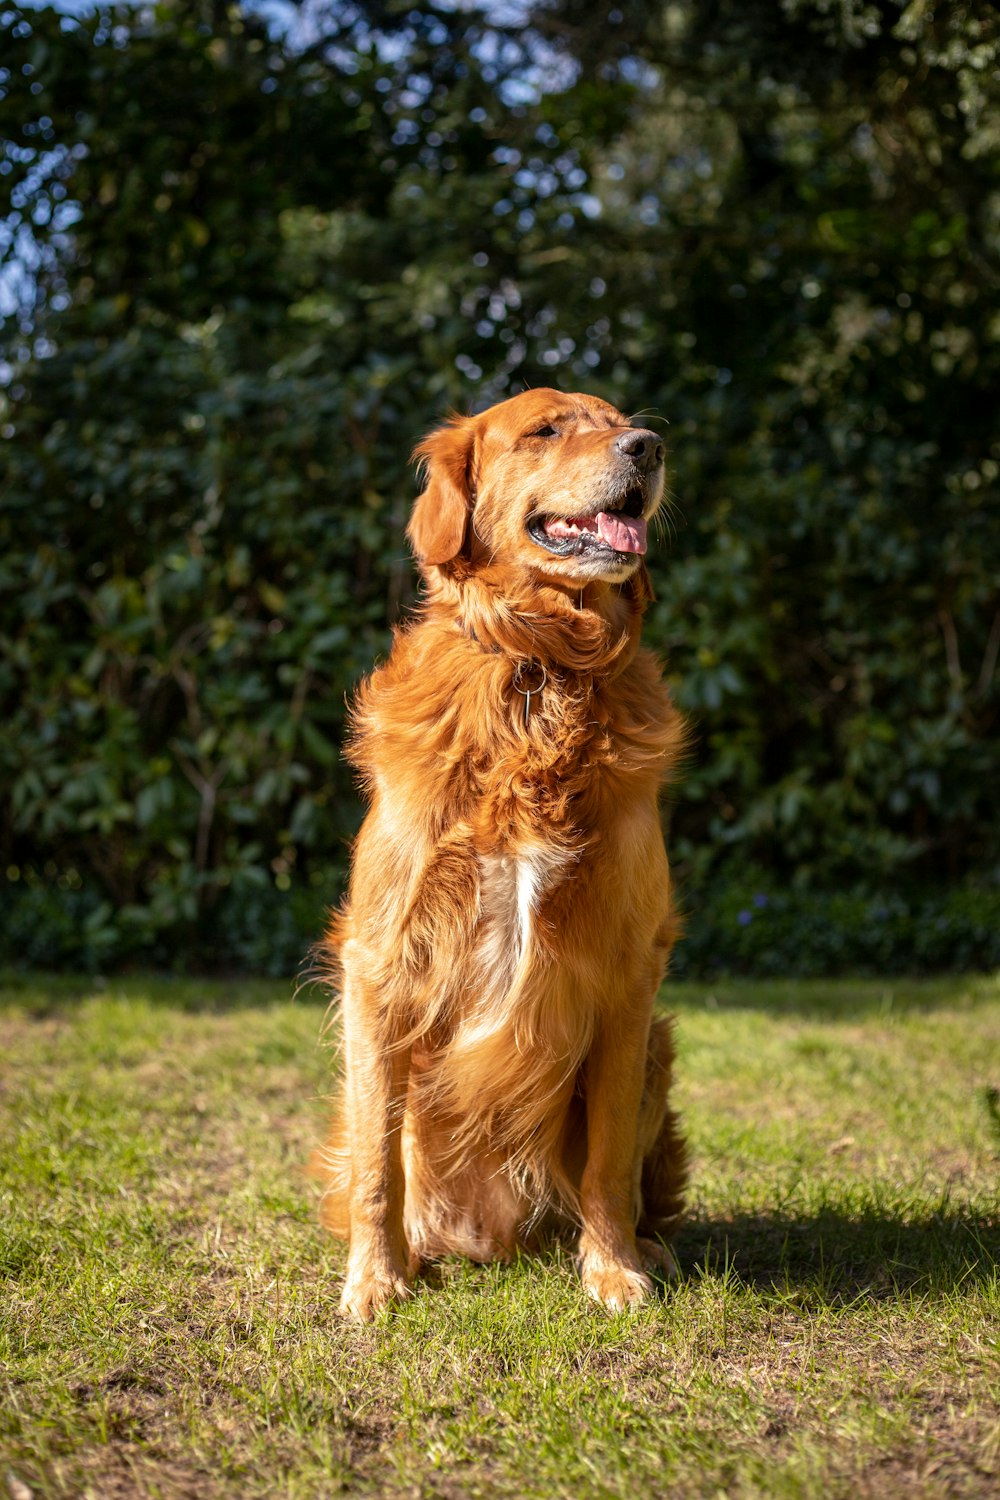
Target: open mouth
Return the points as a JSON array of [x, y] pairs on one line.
[[620, 530]]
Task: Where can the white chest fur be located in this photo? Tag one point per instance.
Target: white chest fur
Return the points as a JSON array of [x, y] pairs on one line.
[[512, 887]]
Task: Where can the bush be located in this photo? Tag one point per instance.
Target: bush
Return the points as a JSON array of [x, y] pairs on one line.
[[774, 226], [754, 928], [751, 928]]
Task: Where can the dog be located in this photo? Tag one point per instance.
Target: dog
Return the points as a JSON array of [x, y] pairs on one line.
[[509, 914]]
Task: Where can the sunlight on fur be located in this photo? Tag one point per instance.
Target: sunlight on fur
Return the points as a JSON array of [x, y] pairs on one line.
[[509, 914]]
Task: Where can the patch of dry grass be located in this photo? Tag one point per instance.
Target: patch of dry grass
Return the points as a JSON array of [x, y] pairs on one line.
[[167, 1313]]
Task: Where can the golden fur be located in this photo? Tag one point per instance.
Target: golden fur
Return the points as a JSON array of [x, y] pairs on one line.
[[509, 913]]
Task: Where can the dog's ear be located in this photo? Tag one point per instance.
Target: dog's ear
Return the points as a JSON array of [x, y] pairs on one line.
[[440, 518]]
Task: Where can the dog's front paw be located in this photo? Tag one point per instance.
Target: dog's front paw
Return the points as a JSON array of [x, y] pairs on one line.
[[614, 1286], [367, 1291]]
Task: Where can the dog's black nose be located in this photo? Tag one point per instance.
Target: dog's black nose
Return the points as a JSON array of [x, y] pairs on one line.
[[643, 447]]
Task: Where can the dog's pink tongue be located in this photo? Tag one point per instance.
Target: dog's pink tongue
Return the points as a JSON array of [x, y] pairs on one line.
[[624, 533]]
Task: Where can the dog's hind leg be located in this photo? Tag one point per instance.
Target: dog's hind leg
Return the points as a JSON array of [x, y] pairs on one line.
[[664, 1154]]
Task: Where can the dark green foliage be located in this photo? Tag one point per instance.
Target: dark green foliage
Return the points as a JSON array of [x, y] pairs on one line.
[[264, 266], [753, 927], [252, 925], [746, 926]]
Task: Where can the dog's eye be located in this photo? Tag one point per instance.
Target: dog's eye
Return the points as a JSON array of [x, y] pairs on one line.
[[547, 431]]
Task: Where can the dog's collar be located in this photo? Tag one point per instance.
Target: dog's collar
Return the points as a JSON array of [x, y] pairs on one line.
[[529, 678], [528, 675]]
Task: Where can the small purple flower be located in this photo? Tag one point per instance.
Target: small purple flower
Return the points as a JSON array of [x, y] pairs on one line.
[[760, 900], [745, 918]]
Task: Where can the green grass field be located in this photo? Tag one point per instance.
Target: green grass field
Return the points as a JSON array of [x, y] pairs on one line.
[[167, 1303]]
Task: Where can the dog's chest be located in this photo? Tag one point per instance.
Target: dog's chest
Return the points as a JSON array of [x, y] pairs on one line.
[[566, 781], [512, 888]]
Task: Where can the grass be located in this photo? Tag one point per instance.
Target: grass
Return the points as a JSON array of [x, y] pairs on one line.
[[167, 1301]]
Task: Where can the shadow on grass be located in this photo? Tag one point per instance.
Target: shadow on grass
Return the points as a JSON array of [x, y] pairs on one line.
[[840, 1257], [836, 999], [45, 995], [830, 1000]]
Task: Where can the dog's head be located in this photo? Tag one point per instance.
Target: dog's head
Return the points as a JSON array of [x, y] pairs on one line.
[[562, 486]]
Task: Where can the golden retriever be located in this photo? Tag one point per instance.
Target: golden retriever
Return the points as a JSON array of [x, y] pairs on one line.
[[509, 914]]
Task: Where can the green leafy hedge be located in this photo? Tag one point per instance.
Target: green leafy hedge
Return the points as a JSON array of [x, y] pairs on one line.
[[748, 927], [754, 928], [776, 229]]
